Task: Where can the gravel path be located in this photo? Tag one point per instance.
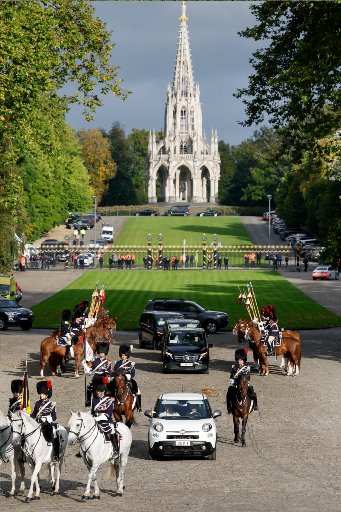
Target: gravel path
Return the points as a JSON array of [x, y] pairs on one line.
[[292, 459]]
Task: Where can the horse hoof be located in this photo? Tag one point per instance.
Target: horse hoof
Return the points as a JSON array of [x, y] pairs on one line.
[[85, 498], [96, 497], [28, 500], [53, 487], [77, 376], [119, 494], [55, 493]]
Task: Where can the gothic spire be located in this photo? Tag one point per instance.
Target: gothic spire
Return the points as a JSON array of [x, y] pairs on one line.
[[183, 82]]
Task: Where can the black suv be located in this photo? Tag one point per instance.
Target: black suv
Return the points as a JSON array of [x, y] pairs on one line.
[[185, 349], [211, 321], [176, 211], [152, 325], [13, 314]]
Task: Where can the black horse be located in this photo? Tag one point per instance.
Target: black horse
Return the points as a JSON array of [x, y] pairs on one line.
[[241, 404]]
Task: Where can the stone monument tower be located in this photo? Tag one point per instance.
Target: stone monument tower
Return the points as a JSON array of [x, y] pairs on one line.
[[183, 165]]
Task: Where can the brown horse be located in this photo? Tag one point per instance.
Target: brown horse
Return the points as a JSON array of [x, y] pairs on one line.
[[53, 353], [125, 402], [290, 348], [259, 353], [241, 403]]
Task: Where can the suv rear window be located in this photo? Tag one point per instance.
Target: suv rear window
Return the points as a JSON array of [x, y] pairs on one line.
[[167, 306]]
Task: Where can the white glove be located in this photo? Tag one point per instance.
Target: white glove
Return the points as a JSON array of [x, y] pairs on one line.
[[128, 376], [101, 417], [86, 368], [231, 382]]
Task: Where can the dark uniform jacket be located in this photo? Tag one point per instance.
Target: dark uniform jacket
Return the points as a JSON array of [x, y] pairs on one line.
[[238, 370], [127, 367], [103, 406], [64, 328], [101, 368], [273, 330], [45, 409]]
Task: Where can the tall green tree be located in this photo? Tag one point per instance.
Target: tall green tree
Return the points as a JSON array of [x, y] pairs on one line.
[[296, 79], [227, 171]]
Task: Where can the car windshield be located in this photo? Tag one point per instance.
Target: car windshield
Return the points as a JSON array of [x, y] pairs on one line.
[[4, 289], [186, 338], [7, 303], [180, 409]]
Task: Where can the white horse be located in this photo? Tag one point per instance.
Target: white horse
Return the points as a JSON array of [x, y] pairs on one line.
[[38, 451], [11, 453], [96, 450]]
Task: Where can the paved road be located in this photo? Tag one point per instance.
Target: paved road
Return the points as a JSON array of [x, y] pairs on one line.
[[292, 459]]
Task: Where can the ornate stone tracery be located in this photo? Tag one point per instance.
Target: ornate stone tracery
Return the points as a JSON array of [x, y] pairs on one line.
[[183, 166]]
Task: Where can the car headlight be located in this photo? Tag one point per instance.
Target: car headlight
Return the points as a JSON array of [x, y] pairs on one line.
[[204, 354], [221, 315], [158, 427], [207, 427], [169, 354], [12, 316]]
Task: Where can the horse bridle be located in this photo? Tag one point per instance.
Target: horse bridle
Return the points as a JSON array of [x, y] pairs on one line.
[[4, 444], [119, 395], [25, 436], [80, 428]]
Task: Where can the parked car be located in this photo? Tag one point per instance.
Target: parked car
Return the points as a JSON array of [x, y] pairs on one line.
[[211, 321], [185, 349], [265, 215], [176, 211], [325, 272], [87, 257], [100, 243], [13, 314], [147, 213], [82, 224], [208, 213], [71, 220], [151, 327], [182, 424]]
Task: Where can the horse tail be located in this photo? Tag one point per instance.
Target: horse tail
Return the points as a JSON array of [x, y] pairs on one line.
[[111, 471]]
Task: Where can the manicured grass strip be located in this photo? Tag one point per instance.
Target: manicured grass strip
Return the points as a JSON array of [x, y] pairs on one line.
[[129, 291], [229, 230]]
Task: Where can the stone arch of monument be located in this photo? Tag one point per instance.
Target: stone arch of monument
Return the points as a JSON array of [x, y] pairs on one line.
[[205, 182], [162, 176]]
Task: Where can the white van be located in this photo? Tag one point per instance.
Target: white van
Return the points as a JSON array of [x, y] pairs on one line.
[[107, 232]]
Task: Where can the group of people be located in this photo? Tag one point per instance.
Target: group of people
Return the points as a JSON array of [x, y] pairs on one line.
[[72, 326], [100, 396], [122, 261], [270, 329]]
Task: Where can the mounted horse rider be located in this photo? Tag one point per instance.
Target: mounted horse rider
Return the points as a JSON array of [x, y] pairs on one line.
[[270, 328], [69, 331], [44, 412], [101, 367], [239, 369], [15, 402], [127, 367], [102, 410]]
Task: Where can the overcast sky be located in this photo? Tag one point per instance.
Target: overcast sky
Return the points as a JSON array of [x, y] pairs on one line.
[[145, 34]]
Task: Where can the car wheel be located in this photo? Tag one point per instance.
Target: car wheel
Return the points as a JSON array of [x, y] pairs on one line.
[[141, 342], [3, 324], [213, 455], [26, 326], [164, 369], [211, 327], [206, 371]]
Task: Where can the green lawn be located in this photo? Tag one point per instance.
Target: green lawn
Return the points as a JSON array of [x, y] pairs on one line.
[[175, 230], [129, 291]]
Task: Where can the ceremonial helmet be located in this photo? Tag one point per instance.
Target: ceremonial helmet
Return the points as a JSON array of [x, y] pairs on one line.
[[265, 313], [66, 315], [124, 349], [272, 312], [102, 347], [241, 353], [44, 386], [16, 386], [100, 384]]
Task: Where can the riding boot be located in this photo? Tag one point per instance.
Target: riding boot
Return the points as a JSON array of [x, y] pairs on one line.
[[253, 396], [138, 401], [56, 448], [88, 396], [67, 354], [228, 401], [114, 443], [269, 347]]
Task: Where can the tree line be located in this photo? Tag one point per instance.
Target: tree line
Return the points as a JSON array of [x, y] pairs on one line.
[[47, 170]]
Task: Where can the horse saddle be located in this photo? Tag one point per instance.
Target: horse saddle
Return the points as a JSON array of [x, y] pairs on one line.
[[47, 431], [61, 341]]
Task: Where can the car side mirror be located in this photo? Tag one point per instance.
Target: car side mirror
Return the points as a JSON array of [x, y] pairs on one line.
[[216, 414], [149, 414]]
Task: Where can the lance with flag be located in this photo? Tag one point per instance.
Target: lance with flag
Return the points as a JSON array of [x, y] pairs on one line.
[[248, 298], [25, 400]]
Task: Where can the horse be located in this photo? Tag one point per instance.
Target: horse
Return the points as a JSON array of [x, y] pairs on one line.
[[53, 353], [38, 451], [96, 450], [125, 402], [259, 356], [290, 348], [11, 453], [241, 404]]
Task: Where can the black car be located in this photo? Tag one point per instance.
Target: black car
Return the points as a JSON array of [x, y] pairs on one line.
[[147, 213], [208, 213], [71, 221], [83, 223], [178, 211], [13, 314], [152, 327], [211, 321], [185, 349]]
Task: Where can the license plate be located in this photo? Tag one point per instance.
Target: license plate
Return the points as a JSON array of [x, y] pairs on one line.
[[183, 442], [186, 364]]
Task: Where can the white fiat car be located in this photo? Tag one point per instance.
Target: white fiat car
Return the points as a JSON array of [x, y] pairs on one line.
[[182, 424]]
